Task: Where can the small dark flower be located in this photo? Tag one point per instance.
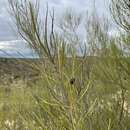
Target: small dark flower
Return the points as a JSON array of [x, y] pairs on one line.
[[124, 78], [72, 81]]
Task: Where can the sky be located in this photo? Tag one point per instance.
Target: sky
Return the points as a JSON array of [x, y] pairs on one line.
[[9, 38]]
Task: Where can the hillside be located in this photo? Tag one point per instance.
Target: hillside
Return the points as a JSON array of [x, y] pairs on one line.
[[16, 69]]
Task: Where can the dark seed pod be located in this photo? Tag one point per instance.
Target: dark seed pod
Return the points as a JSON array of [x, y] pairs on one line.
[[72, 81], [124, 78]]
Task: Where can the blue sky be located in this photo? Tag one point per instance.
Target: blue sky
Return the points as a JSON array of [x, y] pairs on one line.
[[8, 35]]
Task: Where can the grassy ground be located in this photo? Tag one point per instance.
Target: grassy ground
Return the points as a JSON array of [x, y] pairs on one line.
[[73, 97], [15, 76]]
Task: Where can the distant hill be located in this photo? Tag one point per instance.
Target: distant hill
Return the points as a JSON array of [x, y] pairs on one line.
[[17, 69]]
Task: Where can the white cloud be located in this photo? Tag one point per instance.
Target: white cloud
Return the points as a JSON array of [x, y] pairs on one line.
[[15, 49], [7, 33]]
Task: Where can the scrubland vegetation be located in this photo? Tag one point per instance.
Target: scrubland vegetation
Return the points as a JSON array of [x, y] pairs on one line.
[[80, 84]]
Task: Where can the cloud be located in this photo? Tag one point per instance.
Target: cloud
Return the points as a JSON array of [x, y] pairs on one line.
[[6, 31], [8, 35], [12, 44], [16, 49]]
